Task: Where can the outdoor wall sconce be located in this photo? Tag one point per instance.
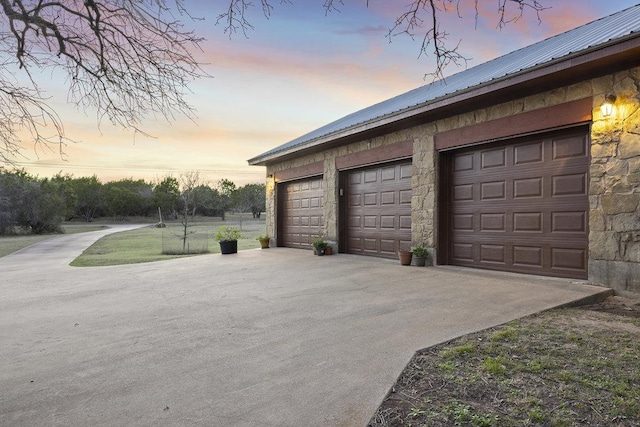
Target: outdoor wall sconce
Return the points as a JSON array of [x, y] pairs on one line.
[[607, 106]]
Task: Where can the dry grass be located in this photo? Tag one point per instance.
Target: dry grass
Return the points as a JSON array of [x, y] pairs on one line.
[[567, 367]]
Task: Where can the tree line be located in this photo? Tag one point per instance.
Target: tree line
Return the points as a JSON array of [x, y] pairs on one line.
[[39, 205]]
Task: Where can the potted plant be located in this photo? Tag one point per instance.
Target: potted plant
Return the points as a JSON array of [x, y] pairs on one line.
[[405, 257], [264, 241], [319, 246], [419, 255], [228, 237]]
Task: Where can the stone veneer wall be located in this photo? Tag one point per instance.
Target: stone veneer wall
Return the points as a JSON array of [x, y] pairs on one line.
[[614, 189], [614, 192]]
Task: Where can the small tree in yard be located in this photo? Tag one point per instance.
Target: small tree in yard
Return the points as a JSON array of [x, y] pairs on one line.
[[226, 190], [189, 183]]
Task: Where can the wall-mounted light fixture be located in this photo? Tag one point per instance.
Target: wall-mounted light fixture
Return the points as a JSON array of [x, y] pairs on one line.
[[607, 106]]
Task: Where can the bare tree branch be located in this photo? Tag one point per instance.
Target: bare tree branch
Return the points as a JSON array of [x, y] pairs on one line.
[[420, 20], [130, 59], [125, 59]]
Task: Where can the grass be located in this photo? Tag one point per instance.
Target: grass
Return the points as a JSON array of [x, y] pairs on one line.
[[155, 244], [13, 243], [565, 367], [148, 243]]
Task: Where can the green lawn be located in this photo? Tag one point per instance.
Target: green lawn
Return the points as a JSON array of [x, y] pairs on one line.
[[148, 243], [155, 244]]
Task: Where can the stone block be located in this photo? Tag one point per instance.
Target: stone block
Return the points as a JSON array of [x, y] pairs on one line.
[[605, 131], [602, 85], [621, 276], [617, 168], [579, 91], [596, 220], [480, 116], [629, 145], [613, 204], [596, 170], [557, 96], [626, 222], [634, 171], [603, 245], [618, 185], [632, 123], [630, 250], [625, 85], [500, 111], [603, 150], [534, 102], [595, 187]]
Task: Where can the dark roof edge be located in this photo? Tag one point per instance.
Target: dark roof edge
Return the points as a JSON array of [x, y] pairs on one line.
[[459, 96]]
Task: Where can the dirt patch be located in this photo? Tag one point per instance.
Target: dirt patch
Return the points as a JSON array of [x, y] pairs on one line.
[[566, 367], [617, 305]]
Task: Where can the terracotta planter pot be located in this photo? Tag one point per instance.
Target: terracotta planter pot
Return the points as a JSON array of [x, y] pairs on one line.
[[328, 250], [405, 257], [264, 243], [228, 247]]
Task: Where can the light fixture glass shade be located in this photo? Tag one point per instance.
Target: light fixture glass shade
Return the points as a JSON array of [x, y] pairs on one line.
[[606, 109], [607, 106]]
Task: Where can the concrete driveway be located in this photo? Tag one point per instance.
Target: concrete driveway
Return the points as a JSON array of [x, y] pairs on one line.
[[274, 337]]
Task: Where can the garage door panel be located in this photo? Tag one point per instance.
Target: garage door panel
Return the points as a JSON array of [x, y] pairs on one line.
[[528, 153], [380, 197], [527, 187], [405, 223], [388, 198], [371, 221], [569, 222], [493, 158], [568, 259], [463, 162], [303, 215], [388, 174], [388, 222], [388, 247], [572, 184], [463, 192], [493, 190], [522, 206], [462, 252], [405, 197], [370, 199], [527, 256], [492, 222], [527, 222], [494, 254], [571, 147]]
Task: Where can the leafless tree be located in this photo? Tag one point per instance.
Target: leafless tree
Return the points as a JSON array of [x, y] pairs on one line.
[[123, 59], [189, 182], [421, 19], [130, 59]]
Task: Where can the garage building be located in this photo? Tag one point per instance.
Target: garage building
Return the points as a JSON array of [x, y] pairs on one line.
[[511, 165]]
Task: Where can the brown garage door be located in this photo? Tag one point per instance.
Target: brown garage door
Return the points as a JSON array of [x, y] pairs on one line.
[[521, 206], [300, 212], [378, 211]]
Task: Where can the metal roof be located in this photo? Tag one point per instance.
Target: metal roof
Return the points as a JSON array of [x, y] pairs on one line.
[[586, 37]]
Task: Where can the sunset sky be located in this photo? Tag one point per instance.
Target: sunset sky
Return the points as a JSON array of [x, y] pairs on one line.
[[295, 72]]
